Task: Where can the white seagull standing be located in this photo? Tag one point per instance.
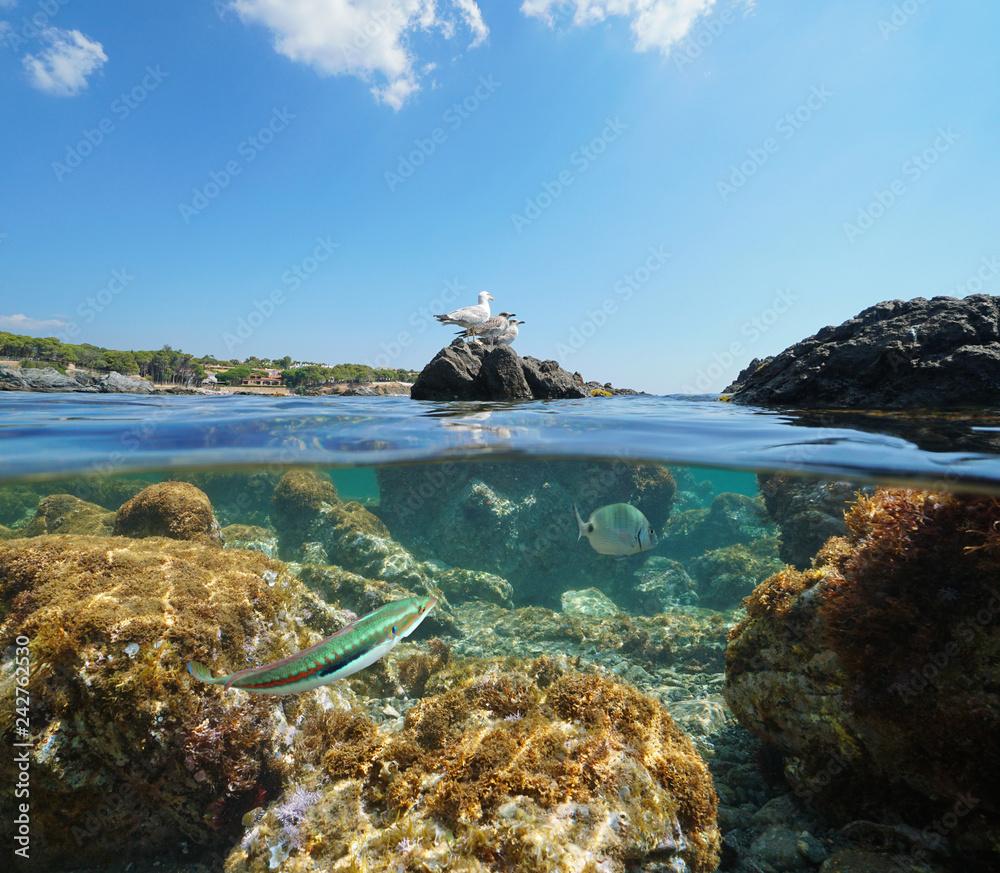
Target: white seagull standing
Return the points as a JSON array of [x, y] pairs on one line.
[[469, 317]]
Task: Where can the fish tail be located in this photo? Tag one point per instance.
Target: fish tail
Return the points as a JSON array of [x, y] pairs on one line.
[[580, 523], [203, 674]]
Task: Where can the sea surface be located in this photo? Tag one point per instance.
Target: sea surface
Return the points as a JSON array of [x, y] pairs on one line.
[[708, 697]]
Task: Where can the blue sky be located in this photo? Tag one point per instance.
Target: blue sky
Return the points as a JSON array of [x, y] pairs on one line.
[[661, 189]]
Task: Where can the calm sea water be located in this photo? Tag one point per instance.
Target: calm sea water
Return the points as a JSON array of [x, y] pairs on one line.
[[341, 505]]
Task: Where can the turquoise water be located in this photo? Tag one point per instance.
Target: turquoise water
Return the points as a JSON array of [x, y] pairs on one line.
[[564, 707]]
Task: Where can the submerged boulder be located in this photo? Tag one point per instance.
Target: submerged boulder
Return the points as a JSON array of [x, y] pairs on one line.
[[252, 537], [875, 672], [65, 514], [899, 354], [520, 767], [124, 742], [176, 510], [316, 527], [808, 512]]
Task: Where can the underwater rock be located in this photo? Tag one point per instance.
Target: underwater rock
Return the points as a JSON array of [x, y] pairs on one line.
[[18, 504], [176, 510], [471, 371], [662, 584], [516, 519], [6, 533], [65, 514], [523, 768], [589, 601], [124, 742], [316, 527], [252, 537], [725, 576], [808, 512], [240, 497], [732, 519], [941, 352], [875, 673]]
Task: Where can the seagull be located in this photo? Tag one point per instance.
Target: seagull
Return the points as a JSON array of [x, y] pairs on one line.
[[489, 329], [506, 337], [469, 316]]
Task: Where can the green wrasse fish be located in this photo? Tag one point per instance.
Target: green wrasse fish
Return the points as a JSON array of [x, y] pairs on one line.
[[617, 529], [342, 654]]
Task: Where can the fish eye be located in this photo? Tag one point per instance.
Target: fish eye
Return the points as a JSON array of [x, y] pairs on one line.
[[394, 630]]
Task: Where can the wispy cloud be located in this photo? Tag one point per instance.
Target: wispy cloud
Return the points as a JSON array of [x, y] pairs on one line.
[[363, 38], [20, 321], [64, 64], [656, 24]]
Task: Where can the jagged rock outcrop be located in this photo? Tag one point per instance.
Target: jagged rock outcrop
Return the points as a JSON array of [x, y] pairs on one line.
[[471, 371], [941, 352]]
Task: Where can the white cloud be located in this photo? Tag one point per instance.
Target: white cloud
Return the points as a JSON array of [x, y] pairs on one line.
[[656, 24], [364, 38], [20, 321], [62, 67]]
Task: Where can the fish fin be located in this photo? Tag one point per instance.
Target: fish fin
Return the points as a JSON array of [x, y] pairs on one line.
[[580, 523], [203, 674]]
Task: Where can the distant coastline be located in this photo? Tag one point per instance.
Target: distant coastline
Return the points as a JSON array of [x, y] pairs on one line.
[[47, 364]]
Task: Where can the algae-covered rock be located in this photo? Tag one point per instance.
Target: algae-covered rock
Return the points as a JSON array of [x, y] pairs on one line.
[[731, 519], [876, 671], [252, 537], [725, 576], [516, 519], [65, 514], [176, 510], [124, 742], [808, 511], [589, 601], [6, 533], [660, 584], [527, 768], [316, 527]]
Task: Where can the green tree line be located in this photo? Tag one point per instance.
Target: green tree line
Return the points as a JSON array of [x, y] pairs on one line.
[[170, 365]]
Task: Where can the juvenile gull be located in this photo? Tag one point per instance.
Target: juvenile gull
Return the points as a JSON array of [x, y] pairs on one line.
[[469, 316], [489, 329], [509, 334]]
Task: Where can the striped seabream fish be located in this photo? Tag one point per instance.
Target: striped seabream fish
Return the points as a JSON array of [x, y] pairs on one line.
[[342, 654], [618, 529]]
